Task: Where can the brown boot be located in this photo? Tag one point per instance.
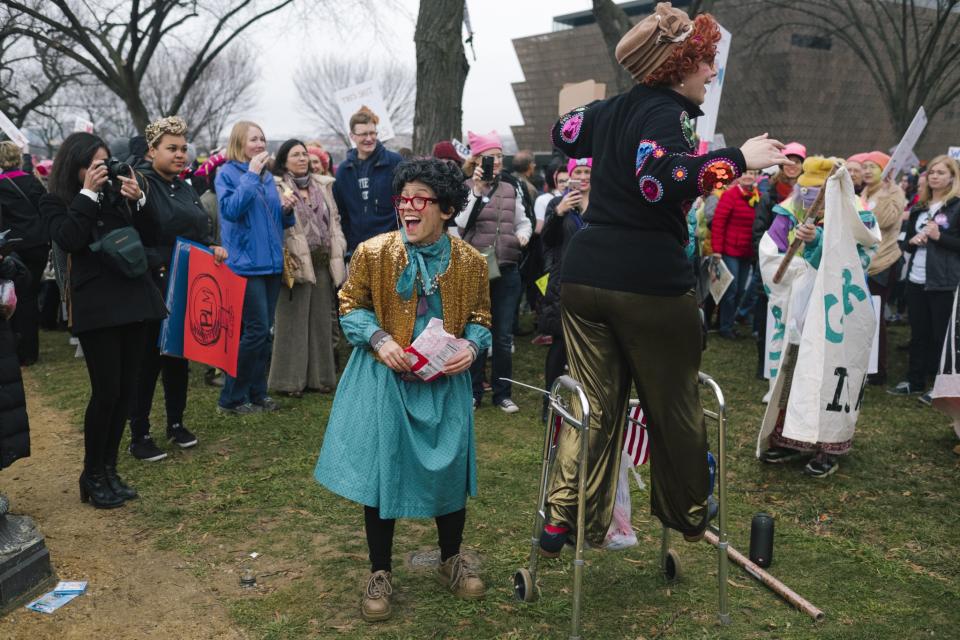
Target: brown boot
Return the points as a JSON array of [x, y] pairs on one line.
[[376, 598], [459, 574]]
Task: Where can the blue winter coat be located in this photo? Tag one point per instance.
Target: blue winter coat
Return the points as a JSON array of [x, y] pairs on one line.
[[362, 219], [251, 220]]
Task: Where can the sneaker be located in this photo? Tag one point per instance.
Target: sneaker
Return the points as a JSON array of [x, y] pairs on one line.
[[180, 436], [926, 399], [902, 389], [542, 340], [376, 597], [267, 404], [245, 409], [145, 449], [779, 455], [459, 574], [552, 539], [476, 403], [508, 406], [821, 466]]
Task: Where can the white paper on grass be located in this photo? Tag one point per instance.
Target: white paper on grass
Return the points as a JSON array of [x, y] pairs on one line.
[[707, 123], [366, 94], [904, 150]]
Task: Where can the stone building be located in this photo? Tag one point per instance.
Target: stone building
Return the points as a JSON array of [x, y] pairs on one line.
[[797, 87]]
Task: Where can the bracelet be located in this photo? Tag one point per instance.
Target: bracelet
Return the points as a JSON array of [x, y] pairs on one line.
[[382, 341]]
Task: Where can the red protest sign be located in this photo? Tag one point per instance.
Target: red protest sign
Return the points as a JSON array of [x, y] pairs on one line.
[[211, 332]]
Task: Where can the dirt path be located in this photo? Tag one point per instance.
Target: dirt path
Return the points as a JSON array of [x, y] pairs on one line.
[[135, 591]]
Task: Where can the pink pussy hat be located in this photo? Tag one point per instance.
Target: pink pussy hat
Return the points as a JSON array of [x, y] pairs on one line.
[[573, 163], [795, 149], [480, 143]]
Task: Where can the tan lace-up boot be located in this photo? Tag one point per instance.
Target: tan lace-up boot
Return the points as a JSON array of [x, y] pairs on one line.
[[459, 574], [376, 598]]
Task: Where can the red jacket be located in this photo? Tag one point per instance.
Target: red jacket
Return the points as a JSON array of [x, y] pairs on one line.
[[732, 230]]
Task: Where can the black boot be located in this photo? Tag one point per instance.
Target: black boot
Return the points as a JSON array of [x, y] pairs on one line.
[[95, 490], [119, 487]]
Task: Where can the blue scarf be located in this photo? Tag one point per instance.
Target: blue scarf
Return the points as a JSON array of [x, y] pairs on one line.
[[419, 257]]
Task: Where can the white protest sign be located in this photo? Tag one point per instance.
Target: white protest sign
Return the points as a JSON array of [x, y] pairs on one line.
[[365, 94], [462, 150], [898, 161], [81, 124], [13, 132], [707, 123], [954, 152]]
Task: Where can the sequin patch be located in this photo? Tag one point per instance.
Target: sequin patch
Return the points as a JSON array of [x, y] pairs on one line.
[[689, 133], [679, 173], [645, 149], [651, 188], [571, 124], [716, 173]]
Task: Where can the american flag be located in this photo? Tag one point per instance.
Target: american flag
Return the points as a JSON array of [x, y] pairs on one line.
[[636, 440]]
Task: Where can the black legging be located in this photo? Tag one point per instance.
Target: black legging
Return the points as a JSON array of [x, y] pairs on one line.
[[26, 321], [380, 536], [112, 356], [174, 372]]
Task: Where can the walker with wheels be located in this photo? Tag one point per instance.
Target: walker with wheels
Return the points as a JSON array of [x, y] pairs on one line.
[[525, 579]]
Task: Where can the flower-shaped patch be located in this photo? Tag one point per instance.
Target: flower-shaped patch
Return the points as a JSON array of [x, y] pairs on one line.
[[679, 173], [717, 173]]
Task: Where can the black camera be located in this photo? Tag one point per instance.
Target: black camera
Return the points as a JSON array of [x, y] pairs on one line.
[[117, 169]]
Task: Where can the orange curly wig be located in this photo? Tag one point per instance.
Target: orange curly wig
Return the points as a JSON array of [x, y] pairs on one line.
[[701, 46]]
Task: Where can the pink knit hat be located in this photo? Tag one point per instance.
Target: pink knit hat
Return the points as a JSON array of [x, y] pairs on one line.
[[879, 158], [858, 158], [208, 167], [573, 163], [795, 149], [480, 143]]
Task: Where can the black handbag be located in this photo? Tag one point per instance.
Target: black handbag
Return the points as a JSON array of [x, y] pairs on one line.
[[122, 250]]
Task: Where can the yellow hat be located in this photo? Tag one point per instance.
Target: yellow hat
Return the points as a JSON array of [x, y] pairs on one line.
[[815, 171]]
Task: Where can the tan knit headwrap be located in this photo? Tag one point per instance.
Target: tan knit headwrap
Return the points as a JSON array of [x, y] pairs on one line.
[[651, 41], [173, 125]]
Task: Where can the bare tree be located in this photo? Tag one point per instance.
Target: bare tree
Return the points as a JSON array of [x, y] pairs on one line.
[[910, 48], [223, 90], [318, 81], [441, 73], [116, 40], [30, 74], [613, 23]]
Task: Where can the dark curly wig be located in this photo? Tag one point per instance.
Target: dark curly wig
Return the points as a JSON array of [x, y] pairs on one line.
[[443, 177], [701, 46]]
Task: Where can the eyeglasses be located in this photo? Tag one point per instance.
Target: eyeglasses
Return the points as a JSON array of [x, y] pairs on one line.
[[365, 134], [419, 203]]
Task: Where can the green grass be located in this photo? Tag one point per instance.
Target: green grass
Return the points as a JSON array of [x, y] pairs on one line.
[[876, 546]]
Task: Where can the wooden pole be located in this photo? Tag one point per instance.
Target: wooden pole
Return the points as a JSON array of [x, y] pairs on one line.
[[815, 212]]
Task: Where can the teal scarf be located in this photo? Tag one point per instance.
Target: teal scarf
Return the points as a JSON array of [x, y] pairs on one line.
[[424, 263]]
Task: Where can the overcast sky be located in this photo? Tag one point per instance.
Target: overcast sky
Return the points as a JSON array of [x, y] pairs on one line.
[[488, 101]]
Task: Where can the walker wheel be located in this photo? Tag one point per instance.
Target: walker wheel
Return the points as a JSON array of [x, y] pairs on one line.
[[523, 588], [671, 566]]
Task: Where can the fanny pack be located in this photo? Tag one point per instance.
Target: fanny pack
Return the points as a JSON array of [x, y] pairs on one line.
[[122, 250]]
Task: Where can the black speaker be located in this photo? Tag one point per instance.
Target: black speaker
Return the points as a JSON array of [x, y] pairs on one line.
[[761, 539]]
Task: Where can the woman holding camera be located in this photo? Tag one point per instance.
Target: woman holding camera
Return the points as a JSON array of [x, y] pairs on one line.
[[495, 223], [111, 303], [176, 212], [253, 216]]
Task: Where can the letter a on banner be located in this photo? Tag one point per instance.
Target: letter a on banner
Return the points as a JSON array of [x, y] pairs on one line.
[[214, 306]]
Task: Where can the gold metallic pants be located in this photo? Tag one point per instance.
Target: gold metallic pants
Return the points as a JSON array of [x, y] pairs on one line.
[[615, 338]]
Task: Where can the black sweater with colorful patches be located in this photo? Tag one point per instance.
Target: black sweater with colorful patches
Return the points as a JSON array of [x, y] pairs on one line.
[[644, 177]]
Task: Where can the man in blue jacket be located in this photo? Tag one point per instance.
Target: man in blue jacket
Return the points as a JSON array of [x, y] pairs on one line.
[[363, 190]]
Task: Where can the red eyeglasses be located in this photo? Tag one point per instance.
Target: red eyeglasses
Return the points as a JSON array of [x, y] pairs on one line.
[[419, 203]]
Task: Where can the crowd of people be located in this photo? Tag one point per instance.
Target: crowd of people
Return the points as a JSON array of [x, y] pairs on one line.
[[605, 246]]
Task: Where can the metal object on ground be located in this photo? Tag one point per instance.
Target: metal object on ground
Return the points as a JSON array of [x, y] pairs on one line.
[[525, 578], [248, 579], [768, 580], [761, 540], [24, 561]]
